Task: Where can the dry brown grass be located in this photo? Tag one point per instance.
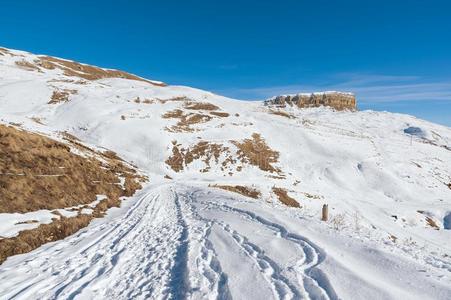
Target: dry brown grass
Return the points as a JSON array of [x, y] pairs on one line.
[[432, 223], [173, 99], [282, 194], [185, 120], [204, 151], [448, 185], [281, 113], [87, 72], [311, 196], [37, 120], [200, 106], [59, 96], [256, 152], [4, 51], [37, 172], [220, 114], [243, 190], [27, 65]]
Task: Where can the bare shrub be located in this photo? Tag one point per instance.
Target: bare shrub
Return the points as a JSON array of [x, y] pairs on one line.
[[338, 221]]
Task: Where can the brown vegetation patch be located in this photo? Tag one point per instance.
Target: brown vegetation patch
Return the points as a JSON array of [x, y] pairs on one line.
[[37, 120], [185, 120], [27, 65], [432, 223], [282, 194], [393, 238], [220, 114], [59, 96], [243, 190], [281, 113], [256, 152], [449, 185], [173, 99], [203, 151], [311, 196], [37, 172], [71, 68], [4, 51], [200, 106]]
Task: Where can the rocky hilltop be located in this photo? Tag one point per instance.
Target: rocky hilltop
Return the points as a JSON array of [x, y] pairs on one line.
[[337, 100]]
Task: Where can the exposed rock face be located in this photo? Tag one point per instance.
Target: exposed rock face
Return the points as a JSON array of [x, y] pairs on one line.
[[337, 100]]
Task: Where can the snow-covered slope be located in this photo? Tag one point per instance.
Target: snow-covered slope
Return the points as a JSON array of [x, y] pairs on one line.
[[386, 178]]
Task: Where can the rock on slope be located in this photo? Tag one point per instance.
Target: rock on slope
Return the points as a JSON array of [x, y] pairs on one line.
[[193, 232]]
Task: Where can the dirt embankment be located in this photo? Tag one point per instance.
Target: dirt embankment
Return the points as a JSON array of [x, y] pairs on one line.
[[37, 173]]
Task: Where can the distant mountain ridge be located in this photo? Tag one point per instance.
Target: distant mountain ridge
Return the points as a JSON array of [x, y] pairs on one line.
[[336, 100]]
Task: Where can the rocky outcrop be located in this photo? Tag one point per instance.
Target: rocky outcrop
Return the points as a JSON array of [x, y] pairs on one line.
[[337, 100]]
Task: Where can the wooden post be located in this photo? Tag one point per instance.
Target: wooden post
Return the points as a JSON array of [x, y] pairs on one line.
[[325, 215]]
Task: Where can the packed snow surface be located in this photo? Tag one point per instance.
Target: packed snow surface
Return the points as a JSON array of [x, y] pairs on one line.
[[180, 237]]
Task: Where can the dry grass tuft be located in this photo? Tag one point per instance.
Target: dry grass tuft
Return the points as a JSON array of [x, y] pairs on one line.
[[59, 96], [282, 194], [201, 106], [37, 172], [4, 51], [71, 68], [449, 185], [220, 114], [204, 151], [281, 113], [256, 152], [243, 190], [311, 196], [432, 223], [37, 120], [27, 65], [185, 120]]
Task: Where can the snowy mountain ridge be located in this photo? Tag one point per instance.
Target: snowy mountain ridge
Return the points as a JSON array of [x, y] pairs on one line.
[[233, 204]]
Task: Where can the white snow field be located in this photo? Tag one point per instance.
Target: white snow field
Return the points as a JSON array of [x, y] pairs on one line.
[[386, 178]]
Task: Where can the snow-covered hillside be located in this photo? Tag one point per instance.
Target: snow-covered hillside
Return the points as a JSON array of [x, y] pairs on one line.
[[386, 178]]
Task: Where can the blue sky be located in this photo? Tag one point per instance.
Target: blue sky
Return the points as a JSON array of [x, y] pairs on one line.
[[395, 55]]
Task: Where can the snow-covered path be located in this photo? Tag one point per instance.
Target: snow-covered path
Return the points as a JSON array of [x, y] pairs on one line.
[[172, 243]]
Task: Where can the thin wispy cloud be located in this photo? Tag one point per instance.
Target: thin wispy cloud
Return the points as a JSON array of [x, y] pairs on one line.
[[369, 88]]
